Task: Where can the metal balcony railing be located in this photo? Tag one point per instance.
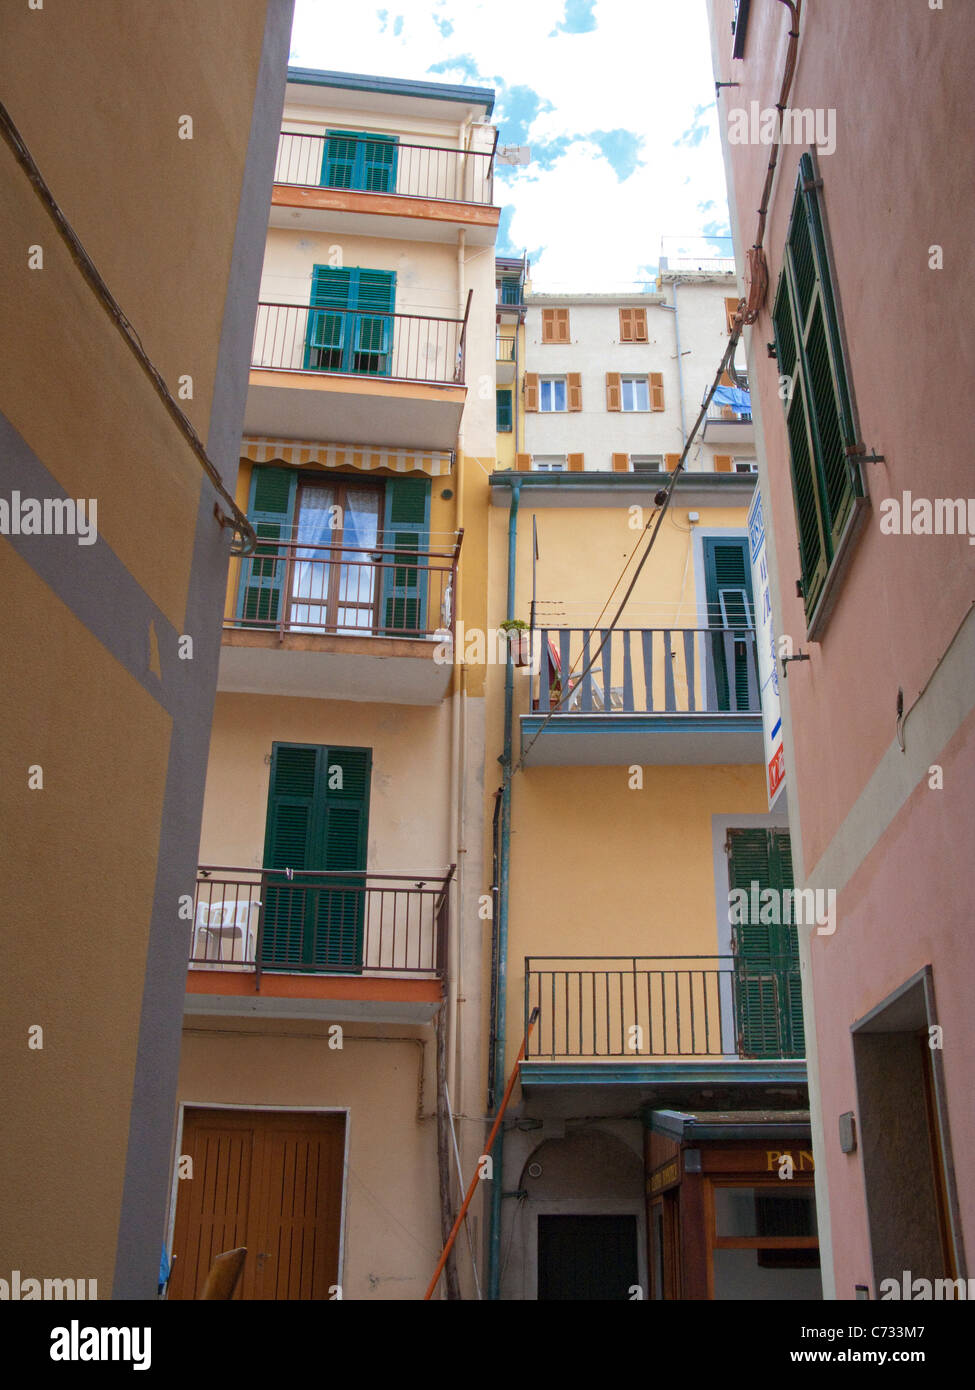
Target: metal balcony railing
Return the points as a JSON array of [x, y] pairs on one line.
[[663, 1006], [364, 165], [294, 921], [359, 342], [504, 350], [370, 591], [648, 671], [727, 414]]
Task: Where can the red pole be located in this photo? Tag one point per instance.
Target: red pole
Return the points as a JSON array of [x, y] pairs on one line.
[[487, 1149]]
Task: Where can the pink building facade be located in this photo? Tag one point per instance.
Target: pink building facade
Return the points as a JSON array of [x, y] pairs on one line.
[[861, 364]]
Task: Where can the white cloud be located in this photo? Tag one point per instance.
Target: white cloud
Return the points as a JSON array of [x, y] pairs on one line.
[[646, 68]]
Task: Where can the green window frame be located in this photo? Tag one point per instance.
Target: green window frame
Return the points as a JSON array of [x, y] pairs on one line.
[[767, 982], [350, 321], [827, 482], [357, 160], [317, 819], [510, 290], [504, 412]]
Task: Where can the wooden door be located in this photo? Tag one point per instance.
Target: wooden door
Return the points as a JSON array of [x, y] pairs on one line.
[[267, 1180]]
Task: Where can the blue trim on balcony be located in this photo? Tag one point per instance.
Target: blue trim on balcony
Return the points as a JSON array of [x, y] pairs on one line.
[[710, 1071]]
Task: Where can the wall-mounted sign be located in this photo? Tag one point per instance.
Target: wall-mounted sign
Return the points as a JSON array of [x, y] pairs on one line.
[[768, 666]]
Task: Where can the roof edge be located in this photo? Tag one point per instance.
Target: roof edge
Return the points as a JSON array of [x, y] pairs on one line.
[[395, 86]]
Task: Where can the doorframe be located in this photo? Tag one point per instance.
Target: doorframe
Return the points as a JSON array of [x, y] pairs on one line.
[[185, 1105], [587, 1206]]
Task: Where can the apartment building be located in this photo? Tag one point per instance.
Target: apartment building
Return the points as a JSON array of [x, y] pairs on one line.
[[510, 280], [333, 996], [114, 548], [865, 480], [616, 382]]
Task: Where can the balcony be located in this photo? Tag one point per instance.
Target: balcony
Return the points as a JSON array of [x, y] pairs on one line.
[[342, 622], [653, 696], [356, 375], [668, 1028], [504, 358], [367, 186], [342, 945], [726, 424]]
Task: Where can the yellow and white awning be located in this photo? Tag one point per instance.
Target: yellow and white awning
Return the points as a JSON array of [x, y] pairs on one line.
[[300, 452]]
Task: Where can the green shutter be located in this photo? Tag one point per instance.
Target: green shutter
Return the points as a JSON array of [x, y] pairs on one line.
[[766, 971], [819, 415], [339, 341], [262, 575], [318, 818], [504, 412], [406, 526], [728, 589], [352, 159], [510, 290]]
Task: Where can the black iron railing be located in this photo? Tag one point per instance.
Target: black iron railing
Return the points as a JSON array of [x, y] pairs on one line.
[[330, 922], [663, 1006], [374, 165]]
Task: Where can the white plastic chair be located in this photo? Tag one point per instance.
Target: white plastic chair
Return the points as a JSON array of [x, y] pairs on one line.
[[223, 925]]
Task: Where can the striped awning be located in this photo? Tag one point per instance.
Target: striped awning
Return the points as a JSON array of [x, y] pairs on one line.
[[259, 449]]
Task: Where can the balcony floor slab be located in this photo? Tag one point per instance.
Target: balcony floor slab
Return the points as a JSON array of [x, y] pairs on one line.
[[622, 740]]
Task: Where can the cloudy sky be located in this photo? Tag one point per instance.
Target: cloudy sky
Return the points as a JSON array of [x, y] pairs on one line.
[[614, 97]]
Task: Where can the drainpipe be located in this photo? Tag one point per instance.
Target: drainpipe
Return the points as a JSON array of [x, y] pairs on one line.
[[494, 1244], [672, 308]]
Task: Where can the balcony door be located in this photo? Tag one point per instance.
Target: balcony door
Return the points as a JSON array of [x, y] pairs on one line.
[[350, 321], [317, 820], [336, 589], [768, 991], [728, 587]]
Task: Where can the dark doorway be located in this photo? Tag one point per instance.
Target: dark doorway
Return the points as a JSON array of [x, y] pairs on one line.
[[587, 1257]]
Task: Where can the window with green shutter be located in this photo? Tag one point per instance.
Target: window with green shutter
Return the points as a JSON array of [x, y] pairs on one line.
[[504, 412], [731, 612], [355, 160], [406, 529], [271, 510], [510, 289], [826, 481], [317, 819], [350, 321], [768, 991]]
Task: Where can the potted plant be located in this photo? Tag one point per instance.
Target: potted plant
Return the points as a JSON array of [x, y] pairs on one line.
[[519, 640]]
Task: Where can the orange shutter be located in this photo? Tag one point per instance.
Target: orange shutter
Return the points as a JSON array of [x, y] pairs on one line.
[[575, 391], [730, 309], [656, 382], [722, 463], [621, 463], [671, 461], [531, 390], [613, 391], [639, 325], [548, 325], [523, 463], [626, 325], [561, 325], [576, 463]]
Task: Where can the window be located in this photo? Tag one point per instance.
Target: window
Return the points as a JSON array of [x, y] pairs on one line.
[[354, 160], [555, 325], [504, 412], [730, 310], [739, 27], [647, 463], [509, 290], [634, 393], [552, 393], [746, 465], [827, 484], [548, 463], [356, 334], [633, 325], [338, 553]]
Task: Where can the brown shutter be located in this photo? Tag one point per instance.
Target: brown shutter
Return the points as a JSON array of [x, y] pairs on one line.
[[722, 463], [575, 391], [613, 391], [671, 461], [523, 463], [531, 390], [548, 325], [561, 325], [639, 325], [626, 325], [575, 462], [730, 309], [656, 383], [621, 463]]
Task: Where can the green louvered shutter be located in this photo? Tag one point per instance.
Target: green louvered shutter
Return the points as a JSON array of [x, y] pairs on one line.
[[262, 575], [766, 972], [353, 159], [406, 527], [318, 818], [329, 335], [819, 415], [373, 336], [339, 159], [379, 157], [728, 587], [503, 412]]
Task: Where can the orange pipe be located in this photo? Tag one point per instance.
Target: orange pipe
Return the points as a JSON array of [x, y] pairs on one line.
[[487, 1149]]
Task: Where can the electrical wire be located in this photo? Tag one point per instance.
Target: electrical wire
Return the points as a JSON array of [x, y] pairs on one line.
[[237, 520]]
